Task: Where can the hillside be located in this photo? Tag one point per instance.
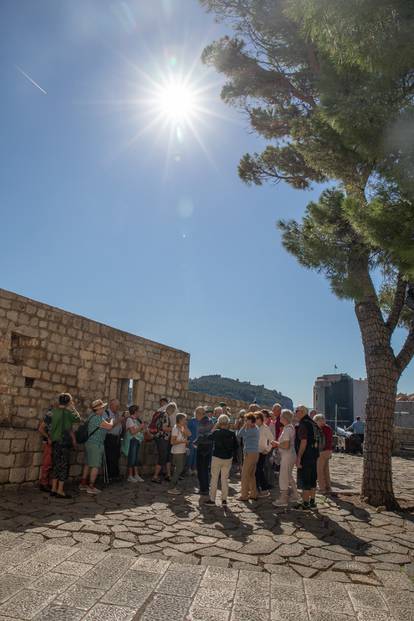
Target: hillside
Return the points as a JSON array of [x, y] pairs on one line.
[[226, 387]]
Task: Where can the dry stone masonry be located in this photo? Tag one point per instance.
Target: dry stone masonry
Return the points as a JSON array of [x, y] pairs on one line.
[[45, 351]]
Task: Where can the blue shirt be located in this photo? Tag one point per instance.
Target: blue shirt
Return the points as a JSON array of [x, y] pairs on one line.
[[250, 438], [193, 427], [358, 426]]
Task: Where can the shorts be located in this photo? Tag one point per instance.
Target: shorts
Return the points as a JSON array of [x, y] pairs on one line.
[[163, 451], [94, 455], [308, 474]]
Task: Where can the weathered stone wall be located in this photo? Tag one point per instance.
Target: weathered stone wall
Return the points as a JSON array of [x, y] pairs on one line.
[[45, 351]]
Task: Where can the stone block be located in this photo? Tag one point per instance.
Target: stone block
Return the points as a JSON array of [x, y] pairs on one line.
[[7, 461], [23, 460], [32, 474], [17, 475], [17, 446], [4, 475], [30, 372], [4, 446]]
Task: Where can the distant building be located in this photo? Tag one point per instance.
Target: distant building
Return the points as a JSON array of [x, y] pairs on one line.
[[340, 398]]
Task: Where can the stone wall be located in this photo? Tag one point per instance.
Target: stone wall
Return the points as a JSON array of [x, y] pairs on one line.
[[45, 351]]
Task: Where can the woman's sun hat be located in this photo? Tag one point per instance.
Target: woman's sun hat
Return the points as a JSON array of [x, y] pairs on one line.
[[98, 404]]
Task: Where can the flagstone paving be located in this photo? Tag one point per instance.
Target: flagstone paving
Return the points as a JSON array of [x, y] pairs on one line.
[[134, 552]]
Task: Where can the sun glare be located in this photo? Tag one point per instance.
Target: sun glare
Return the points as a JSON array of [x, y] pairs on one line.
[[176, 101]]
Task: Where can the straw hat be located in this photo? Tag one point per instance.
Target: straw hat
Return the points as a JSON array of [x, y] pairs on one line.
[[98, 404]]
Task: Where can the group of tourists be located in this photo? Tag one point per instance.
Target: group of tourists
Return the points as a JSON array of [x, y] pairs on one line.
[[262, 446]]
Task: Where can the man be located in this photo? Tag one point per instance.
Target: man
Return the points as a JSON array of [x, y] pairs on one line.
[[275, 424], [204, 444], [358, 427], [113, 439], [307, 456]]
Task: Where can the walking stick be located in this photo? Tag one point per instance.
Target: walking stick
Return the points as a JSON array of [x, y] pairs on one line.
[[105, 470]]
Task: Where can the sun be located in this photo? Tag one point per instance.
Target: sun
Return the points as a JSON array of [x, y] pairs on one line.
[[176, 101]]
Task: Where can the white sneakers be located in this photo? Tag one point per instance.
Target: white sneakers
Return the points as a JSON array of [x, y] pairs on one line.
[[93, 491], [135, 479]]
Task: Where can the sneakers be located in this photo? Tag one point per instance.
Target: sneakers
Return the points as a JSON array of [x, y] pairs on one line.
[[93, 491], [174, 491], [210, 503], [312, 503], [224, 503], [138, 479], [304, 506], [264, 493], [156, 480], [279, 503], [83, 486], [132, 480]]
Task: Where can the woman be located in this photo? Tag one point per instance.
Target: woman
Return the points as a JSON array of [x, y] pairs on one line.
[[131, 442], [63, 418], [224, 447], [250, 436], [95, 446], [265, 447], [286, 446], [179, 442], [161, 429], [324, 477]]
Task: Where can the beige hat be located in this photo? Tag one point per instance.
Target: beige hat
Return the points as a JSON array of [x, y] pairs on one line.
[[97, 404]]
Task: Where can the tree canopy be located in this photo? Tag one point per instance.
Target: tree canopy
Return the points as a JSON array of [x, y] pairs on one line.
[[329, 85]]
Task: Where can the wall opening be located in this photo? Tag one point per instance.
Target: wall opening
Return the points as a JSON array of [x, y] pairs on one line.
[[29, 382]]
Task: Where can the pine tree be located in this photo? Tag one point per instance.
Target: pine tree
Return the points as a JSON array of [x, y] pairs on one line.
[[330, 85]]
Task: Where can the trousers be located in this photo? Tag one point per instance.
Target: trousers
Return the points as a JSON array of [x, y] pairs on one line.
[[220, 468], [248, 476]]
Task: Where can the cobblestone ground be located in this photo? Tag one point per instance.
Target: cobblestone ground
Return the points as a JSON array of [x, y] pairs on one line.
[[134, 552]]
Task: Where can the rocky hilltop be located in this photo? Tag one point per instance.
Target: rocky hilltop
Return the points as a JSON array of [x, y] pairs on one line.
[[233, 388]]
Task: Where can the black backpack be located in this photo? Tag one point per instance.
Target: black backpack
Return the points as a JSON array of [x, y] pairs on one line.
[[82, 434]]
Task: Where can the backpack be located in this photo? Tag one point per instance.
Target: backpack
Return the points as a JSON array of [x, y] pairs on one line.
[[319, 438], [82, 434]]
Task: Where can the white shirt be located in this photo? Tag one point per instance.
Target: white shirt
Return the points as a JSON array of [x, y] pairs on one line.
[[178, 449], [265, 438], [115, 431], [288, 433]]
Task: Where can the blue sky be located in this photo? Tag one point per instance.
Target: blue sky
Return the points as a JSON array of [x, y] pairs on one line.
[[105, 215]]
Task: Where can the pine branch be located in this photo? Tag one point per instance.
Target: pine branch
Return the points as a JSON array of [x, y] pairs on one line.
[[398, 304], [407, 351]]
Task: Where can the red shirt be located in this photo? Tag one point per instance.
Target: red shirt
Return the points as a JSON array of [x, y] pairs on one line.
[[328, 433]]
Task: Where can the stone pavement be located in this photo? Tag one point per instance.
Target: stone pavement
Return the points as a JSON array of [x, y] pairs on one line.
[[135, 552]]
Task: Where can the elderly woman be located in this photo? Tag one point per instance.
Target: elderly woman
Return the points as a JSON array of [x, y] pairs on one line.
[[131, 442], [179, 442], [324, 477], [161, 428], [224, 447], [286, 446], [95, 446], [63, 418]]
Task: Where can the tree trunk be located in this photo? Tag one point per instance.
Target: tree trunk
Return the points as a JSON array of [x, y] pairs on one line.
[[383, 375]]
